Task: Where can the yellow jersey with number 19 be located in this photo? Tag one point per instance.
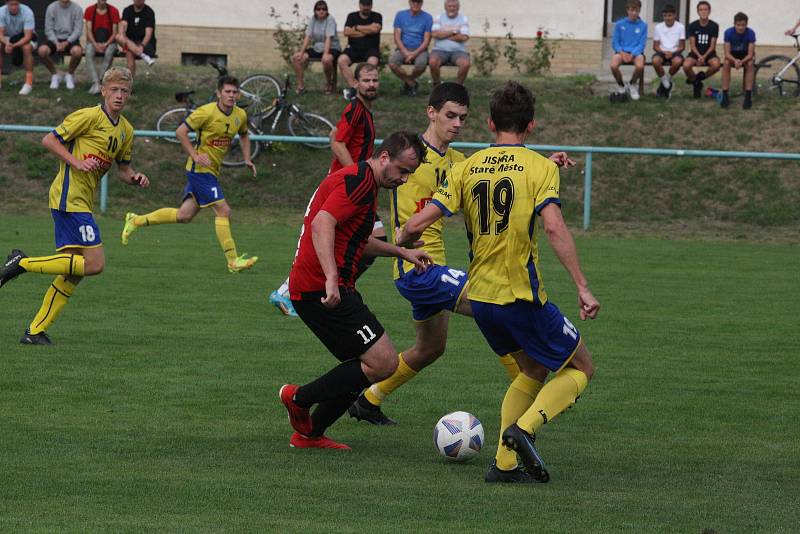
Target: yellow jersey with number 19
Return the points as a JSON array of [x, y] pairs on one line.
[[415, 194], [88, 133], [501, 189], [214, 129]]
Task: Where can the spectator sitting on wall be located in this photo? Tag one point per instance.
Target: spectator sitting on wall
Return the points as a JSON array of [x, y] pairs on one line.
[[702, 34], [137, 34], [669, 42], [630, 37], [412, 35], [740, 52], [100, 24], [18, 39], [63, 24], [450, 31], [320, 42], [363, 31]]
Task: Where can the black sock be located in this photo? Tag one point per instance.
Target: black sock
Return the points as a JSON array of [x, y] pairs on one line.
[[748, 95], [700, 77], [328, 412], [342, 379]]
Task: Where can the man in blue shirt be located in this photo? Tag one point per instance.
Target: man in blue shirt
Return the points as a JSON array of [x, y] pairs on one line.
[[18, 39], [412, 35], [740, 52], [630, 37]]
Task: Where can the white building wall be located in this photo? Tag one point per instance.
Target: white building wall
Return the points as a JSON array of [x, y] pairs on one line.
[[768, 18]]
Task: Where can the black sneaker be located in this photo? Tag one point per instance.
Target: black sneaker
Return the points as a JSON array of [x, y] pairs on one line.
[[725, 102], [363, 410], [515, 476], [521, 442], [748, 103], [660, 90], [11, 268], [697, 90], [35, 339]]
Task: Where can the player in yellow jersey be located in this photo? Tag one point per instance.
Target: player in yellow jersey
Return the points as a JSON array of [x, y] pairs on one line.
[[502, 190], [215, 125], [87, 143], [440, 288]]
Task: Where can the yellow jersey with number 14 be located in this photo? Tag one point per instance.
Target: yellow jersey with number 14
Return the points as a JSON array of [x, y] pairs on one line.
[[88, 133], [415, 194], [214, 130], [501, 189]]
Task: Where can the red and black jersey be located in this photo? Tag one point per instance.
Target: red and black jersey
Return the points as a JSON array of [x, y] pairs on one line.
[[357, 131], [351, 197]]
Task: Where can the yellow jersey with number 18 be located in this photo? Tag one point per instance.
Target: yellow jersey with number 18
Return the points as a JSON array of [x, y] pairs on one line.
[[501, 189], [88, 133], [415, 194], [214, 129]]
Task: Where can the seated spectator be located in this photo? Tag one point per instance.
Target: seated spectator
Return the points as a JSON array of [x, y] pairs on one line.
[[100, 24], [63, 24], [412, 35], [17, 39], [450, 31], [630, 37], [740, 53], [703, 34], [669, 42], [363, 31], [320, 42], [137, 34]]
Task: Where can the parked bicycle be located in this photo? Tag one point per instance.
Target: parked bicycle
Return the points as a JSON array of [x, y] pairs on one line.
[[779, 76]]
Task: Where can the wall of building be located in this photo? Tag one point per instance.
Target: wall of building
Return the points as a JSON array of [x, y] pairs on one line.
[[768, 18]]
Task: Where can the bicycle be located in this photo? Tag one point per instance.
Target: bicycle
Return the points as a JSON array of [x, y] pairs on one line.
[[778, 76]]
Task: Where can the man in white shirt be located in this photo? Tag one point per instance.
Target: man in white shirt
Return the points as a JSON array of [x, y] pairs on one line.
[[669, 41], [450, 31]]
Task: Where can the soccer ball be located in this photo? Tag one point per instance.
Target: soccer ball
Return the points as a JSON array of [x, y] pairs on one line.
[[458, 436]]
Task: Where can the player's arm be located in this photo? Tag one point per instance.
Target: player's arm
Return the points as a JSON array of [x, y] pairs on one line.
[[728, 55], [681, 46], [340, 152], [182, 133], [398, 41], [562, 159], [711, 47], [751, 53], [244, 142], [148, 34], [378, 247], [131, 176], [416, 224], [323, 236], [563, 245], [51, 143]]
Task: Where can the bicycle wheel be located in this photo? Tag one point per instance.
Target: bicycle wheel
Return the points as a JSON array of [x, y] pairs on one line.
[[258, 94], [775, 78], [310, 125], [169, 122], [234, 157]]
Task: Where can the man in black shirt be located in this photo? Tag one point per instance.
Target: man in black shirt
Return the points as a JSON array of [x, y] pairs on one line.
[[702, 35], [363, 32], [137, 34]]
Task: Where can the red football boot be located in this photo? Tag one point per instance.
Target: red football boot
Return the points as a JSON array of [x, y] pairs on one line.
[[304, 442], [299, 418]]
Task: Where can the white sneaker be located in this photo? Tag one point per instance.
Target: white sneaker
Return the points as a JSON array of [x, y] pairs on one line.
[[26, 89], [94, 89], [55, 81], [632, 91], [69, 81], [148, 60]]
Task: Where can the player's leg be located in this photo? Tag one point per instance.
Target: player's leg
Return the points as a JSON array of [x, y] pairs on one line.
[[420, 65], [329, 70], [27, 62], [658, 64], [749, 79], [675, 64], [75, 57], [688, 69], [130, 60], [108, 58], [222, 226], [299, 60], [616, 62], [463, 63], [714, 65], [184, 214], [726, 82], [344, 63]]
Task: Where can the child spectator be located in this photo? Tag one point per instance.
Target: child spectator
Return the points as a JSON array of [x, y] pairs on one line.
[[18, 39], [100, 23], [669, 41], [630, 37], [740, 52], [703, 35], [63, 25]]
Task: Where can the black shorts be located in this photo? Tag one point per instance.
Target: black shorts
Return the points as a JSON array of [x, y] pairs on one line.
[[348, 330], [664, 57], [52, 46], [361, 56], [313, 54], [740, 55], [16, 55], [709, 57]]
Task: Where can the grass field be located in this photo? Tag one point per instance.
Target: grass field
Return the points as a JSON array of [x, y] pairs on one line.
[[157, 409]]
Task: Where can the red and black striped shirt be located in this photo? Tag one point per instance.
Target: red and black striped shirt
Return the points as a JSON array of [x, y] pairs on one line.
[[351, 197], [357, 131]]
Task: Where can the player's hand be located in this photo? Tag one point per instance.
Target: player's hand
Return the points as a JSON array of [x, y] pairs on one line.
[[409, 58], [87, 165], [332, 297], [405, 239], [701, 61], [737, 64], [61, 45], [562, 160], [202, 160], [140, 179], [627, 57], [418, 257], [8, 48], [589, 306], [251, 166]]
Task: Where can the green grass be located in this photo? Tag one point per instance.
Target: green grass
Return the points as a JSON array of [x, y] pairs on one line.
[[157, 409]]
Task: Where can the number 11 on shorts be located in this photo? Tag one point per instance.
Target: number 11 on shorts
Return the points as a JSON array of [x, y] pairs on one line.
[[366, 334]]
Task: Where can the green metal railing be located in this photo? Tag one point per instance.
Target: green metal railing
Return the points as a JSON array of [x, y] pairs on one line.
[[588, 150]]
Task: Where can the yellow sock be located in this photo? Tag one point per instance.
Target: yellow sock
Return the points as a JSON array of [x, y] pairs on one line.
[[55, 298], [162, 216], [556, 396], [510, 364], [519, 397], [66, 264], [223, 228], [377, 392]]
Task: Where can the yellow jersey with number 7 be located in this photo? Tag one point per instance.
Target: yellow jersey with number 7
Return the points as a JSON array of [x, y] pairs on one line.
[[214, 130]]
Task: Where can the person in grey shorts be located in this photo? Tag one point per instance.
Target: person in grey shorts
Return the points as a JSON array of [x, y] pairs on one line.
[[412, 35], [450, 31]]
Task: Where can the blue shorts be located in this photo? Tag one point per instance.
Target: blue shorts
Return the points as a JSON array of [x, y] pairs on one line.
[[75, 229], [204, 187], [541, 331], [438, 288]]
